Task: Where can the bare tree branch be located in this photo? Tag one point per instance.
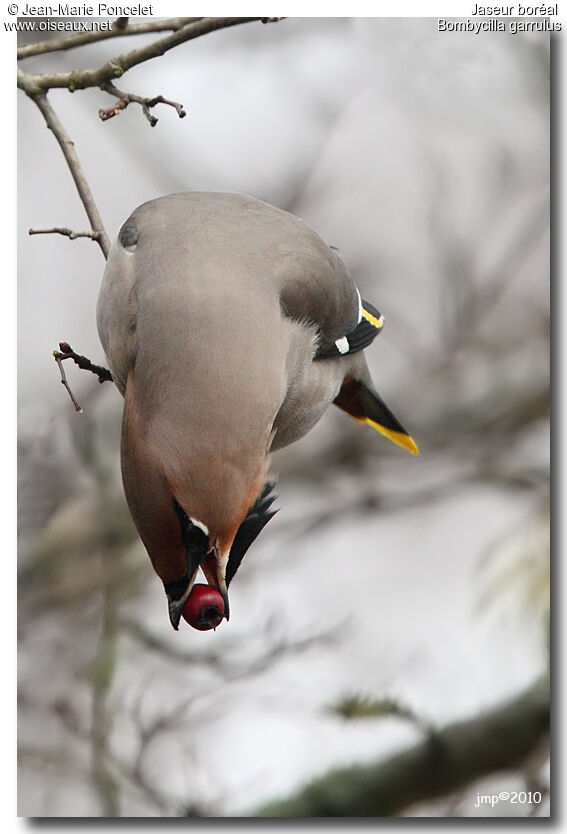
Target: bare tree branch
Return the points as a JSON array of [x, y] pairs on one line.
[[171, 24], [36, 84], [68, 148], [446, 761]]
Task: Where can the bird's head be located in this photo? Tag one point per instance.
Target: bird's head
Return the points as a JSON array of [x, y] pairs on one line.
[[201, 608]]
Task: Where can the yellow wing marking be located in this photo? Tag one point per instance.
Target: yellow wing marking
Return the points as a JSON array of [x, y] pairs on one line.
[[375, 322]]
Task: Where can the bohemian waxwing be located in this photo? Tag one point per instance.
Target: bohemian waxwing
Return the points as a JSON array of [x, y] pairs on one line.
[[229, 327]]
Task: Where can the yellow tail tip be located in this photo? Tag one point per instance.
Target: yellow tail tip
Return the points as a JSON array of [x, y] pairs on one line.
[[399, 438], [409, 444]]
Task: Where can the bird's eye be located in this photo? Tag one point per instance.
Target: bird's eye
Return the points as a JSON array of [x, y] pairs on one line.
[[128, 237]]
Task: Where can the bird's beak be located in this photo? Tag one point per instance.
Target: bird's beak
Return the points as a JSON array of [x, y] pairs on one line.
[[215, 577], [175, 606], [195, 537], [224, 595], [214, 568]]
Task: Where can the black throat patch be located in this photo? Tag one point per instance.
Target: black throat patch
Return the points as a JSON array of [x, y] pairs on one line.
[[196, 544]]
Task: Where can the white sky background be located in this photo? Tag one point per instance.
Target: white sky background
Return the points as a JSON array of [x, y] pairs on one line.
[[8, 309]]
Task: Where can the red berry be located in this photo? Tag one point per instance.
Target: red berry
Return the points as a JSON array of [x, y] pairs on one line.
[[204, 608]]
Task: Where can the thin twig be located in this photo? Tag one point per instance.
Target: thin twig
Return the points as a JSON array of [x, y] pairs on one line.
[[171, 24], [59, 357], [59, 230], [124, 99], [68, 148], [109, 112]]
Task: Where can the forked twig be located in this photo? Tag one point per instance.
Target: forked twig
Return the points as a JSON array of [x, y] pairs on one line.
[[124, 99], [66, 352]]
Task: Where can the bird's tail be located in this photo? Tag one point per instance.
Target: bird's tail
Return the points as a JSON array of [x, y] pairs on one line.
[[364, 404]]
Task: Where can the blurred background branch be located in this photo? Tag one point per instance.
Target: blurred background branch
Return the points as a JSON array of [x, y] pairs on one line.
[[446, 761]]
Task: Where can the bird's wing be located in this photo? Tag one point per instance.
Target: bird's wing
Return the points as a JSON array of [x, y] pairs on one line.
[[316, 289]]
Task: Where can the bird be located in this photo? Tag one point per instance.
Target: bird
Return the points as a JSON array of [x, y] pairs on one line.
[[229, 327]]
